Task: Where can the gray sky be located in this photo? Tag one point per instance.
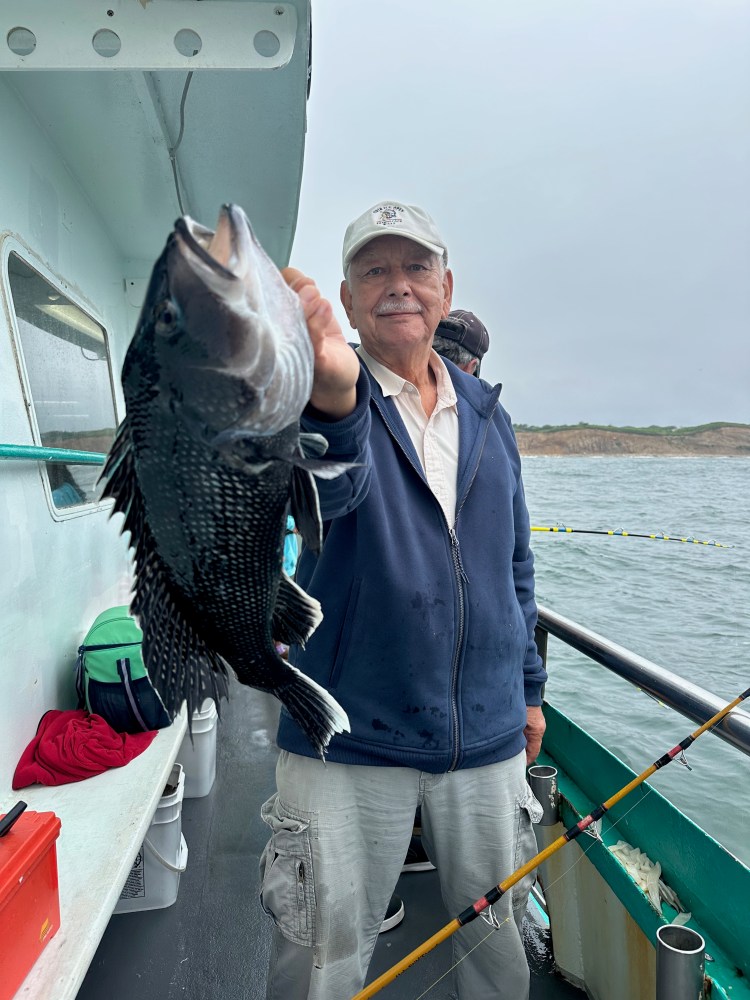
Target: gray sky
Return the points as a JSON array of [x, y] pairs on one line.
[[588, 163]]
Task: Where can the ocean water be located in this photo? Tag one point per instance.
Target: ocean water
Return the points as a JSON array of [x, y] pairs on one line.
[[684, 607]]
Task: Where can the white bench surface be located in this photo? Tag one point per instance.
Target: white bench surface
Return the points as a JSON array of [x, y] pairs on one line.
[[104, 821]]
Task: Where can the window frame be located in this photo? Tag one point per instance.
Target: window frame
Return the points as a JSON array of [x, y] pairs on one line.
[[11, 244]]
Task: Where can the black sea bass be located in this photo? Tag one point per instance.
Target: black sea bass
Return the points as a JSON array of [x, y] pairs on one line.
[[205, 466]]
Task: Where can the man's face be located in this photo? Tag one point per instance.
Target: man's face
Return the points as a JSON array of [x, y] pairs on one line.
[[396, 295]]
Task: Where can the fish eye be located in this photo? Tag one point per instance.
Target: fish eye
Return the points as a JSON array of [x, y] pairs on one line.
[[165, 317]]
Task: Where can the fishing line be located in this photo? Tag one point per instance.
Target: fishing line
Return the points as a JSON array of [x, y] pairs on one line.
[[660, 536], [448, 971], [497, 891], [173, 150], [547, 888]]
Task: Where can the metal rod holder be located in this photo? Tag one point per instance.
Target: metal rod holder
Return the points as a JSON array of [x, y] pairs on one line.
[[543, 782], [680, 963]]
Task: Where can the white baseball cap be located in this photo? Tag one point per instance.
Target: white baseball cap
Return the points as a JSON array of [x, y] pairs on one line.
[[392, 218]]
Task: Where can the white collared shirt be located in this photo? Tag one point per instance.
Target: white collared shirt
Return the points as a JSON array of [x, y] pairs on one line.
[[435, 438]]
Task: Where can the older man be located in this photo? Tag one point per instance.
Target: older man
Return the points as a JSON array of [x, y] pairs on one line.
[[426, 582]]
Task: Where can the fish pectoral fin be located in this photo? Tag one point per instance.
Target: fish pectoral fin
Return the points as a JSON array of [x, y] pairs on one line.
[[304, 495], [305, 508], [296, 615], [312, 445], [322, 469]]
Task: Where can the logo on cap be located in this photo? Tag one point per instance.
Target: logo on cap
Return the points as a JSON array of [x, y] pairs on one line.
[[388, 215]]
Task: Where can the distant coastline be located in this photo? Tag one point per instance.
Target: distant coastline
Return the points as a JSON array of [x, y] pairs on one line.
[[706, 440]]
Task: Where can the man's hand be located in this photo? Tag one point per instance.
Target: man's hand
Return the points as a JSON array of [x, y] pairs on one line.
[[534, 731], [336, 365]]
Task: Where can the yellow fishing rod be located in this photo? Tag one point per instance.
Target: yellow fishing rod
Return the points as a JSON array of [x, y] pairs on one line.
[[473, 911], [661, 536]]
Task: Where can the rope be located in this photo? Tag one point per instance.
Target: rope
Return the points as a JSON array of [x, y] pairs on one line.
[[621, 533]]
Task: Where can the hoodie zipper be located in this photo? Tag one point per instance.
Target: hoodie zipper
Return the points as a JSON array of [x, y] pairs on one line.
[[461, 581], [458, 571], [459, 576]]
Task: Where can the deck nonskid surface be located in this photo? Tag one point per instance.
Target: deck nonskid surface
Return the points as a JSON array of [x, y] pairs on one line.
[[212, 944]]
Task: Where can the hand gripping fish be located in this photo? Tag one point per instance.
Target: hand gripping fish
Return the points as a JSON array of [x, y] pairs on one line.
[[205, 465]]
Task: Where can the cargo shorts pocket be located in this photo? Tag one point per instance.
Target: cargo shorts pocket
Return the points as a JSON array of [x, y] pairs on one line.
[[529, 812], [287, 889]]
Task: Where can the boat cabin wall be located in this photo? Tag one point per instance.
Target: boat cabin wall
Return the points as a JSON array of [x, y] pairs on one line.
[[61, 566]]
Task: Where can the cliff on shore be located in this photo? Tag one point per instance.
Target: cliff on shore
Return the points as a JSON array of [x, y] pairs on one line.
[[706, 440]]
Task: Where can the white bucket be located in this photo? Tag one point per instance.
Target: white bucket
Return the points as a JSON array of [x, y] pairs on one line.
[[154, 879], [199, 756]]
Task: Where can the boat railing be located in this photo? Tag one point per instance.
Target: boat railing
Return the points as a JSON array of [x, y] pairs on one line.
[[37, 453], [676, 692]]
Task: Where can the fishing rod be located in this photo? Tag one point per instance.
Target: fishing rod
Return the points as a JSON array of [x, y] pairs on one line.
[[576, 830], [661, 536]]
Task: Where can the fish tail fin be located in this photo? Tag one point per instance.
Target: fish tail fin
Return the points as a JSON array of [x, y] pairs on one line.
[[315, 711]]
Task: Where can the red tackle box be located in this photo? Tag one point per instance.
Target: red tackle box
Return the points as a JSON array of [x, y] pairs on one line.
[[29, 900]]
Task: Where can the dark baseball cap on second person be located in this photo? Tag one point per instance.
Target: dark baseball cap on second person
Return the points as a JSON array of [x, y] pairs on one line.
[[465, 329]]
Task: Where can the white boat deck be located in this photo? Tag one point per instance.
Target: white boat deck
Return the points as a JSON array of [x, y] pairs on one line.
[[213, 942], [104, 820]]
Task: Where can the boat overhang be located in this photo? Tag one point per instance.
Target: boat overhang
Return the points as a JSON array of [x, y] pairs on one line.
[[157, 129]]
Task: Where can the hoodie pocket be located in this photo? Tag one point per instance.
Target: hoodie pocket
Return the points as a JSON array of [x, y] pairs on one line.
[[347, 631], [529, 812], [287, 888]]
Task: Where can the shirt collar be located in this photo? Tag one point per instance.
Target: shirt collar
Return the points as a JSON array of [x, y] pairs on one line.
[[392, 384]]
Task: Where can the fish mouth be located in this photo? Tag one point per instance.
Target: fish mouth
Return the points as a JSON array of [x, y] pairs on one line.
[[222, 251]]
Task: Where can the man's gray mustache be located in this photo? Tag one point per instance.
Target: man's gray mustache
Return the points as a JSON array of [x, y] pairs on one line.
[[397, 307]]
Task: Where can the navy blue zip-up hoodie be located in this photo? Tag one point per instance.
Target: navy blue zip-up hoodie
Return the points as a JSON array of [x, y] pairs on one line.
[[427, 639]]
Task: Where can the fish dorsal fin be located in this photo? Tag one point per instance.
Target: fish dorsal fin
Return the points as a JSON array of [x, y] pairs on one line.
[[182, 667], [180, 664], [120, 482], [296, 615]]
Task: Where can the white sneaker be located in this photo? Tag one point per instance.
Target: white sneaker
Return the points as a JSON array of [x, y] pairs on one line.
[[393, 915], [416, 859]]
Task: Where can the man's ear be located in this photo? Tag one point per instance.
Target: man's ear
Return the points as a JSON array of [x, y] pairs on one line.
[[471, 366], [346, 301], [447, 292]]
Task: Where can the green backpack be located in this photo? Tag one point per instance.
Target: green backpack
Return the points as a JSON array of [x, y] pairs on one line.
[[111, 677]]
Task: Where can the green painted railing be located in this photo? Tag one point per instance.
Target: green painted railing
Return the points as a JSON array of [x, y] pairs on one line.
[[712, 884], [33, 453]]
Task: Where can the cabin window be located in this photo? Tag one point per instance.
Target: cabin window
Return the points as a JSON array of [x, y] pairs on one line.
[[66, 357]]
